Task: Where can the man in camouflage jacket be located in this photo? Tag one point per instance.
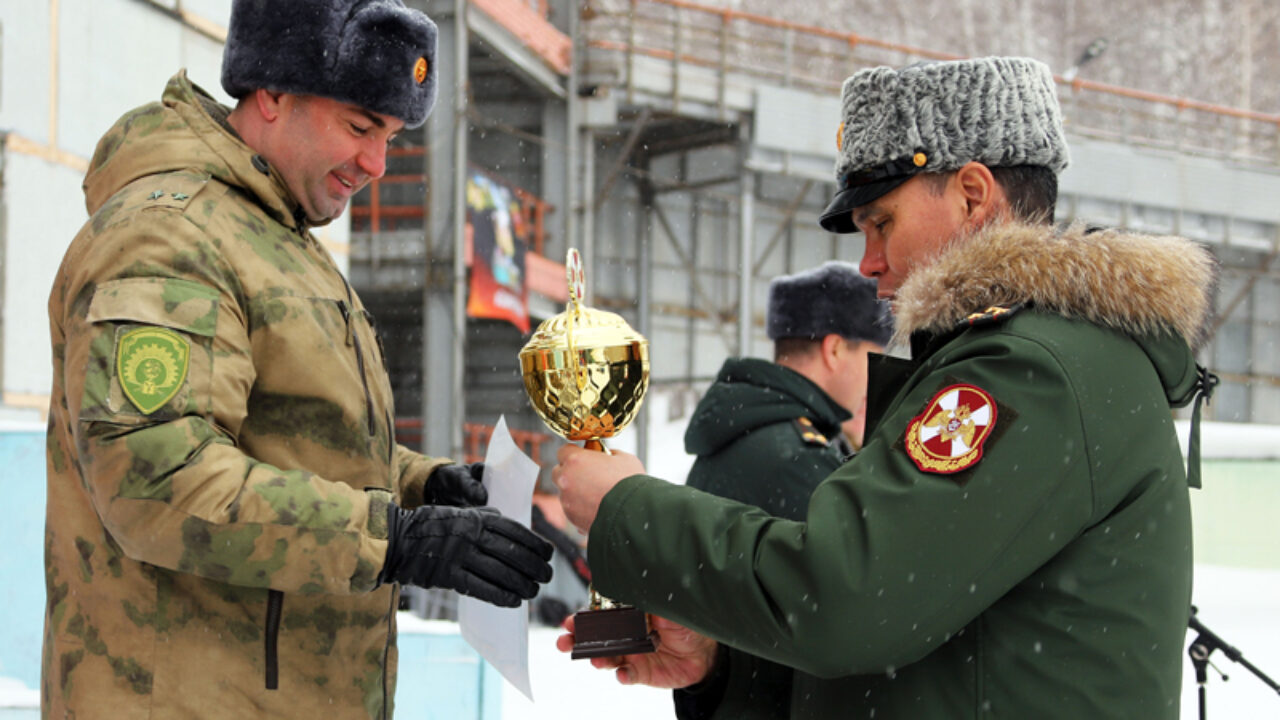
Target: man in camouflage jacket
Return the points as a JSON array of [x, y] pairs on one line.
[[228, 511]]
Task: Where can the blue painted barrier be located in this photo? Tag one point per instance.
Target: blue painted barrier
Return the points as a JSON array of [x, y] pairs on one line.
[[441, 677], [22, 557]]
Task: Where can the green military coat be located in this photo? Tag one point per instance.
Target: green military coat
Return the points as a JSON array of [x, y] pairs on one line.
[[1013, 540], [764, 435], [220, 446]]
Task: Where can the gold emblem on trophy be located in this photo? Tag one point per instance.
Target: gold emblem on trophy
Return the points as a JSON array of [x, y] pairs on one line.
[[586, 372]]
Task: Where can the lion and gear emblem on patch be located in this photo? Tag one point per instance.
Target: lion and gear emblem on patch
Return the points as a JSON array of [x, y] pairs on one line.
[[948, 436], [152, 365]]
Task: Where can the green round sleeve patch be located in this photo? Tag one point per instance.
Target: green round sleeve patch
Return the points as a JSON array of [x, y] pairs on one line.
[[152, 365]]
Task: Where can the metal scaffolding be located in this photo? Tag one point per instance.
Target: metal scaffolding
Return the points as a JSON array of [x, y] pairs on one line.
[[685, 148]]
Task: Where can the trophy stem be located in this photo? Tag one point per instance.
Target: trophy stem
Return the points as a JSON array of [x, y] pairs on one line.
[[597, 445]]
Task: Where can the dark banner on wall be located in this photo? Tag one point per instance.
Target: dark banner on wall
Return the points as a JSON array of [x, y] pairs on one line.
[[500, 235]]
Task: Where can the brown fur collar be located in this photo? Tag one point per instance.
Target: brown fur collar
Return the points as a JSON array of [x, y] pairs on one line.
[[1138, 284]]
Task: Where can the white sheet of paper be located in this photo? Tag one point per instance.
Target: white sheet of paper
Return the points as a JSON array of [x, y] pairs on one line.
[[501, 635]]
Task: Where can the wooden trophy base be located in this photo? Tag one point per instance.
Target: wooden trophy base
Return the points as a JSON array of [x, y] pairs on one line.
[[612, 632]]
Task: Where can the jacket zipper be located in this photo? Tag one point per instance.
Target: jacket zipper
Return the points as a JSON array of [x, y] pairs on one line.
[[386, 652], [364, 377], [979, 667], [391, 439], [275, 599]]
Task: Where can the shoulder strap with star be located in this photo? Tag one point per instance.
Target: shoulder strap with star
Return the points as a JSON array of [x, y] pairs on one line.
[[808, 433], [174, 191], [990, 316]]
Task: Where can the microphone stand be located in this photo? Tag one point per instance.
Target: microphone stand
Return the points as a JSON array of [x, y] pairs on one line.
[[1200, 650]]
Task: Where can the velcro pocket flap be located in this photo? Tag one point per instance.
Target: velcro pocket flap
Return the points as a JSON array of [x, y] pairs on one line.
[[183, 305]]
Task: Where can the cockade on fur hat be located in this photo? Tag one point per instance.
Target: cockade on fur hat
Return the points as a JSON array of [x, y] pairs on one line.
[[377, 54]]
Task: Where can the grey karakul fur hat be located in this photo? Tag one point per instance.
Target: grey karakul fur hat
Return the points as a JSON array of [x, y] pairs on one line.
[[377, 54], [833, 298], [937, 116]]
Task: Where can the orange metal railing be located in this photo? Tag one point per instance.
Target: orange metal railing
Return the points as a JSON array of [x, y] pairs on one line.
[[818, 59], [377, 214]]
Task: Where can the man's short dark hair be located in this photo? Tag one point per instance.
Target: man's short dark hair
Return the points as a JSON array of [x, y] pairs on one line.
[[1032, 190], [795, 348]]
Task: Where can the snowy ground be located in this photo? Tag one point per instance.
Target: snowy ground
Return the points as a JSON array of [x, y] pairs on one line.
[[1240, 606], [1243, 608]]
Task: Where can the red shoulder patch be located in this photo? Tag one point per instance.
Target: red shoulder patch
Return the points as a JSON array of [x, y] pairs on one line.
[[948, 436]]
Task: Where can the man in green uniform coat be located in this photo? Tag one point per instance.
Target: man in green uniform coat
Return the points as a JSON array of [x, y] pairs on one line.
[[229, 515], [766, 433], [1013, 540]]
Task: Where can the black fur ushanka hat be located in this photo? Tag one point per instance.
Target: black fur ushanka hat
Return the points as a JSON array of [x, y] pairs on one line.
[[377, 54], [833, 298]]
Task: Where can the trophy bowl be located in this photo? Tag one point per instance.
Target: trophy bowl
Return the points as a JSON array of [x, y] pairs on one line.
[[586, 372]]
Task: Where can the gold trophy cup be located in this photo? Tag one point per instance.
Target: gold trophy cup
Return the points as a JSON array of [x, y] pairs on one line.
[[586, 372]]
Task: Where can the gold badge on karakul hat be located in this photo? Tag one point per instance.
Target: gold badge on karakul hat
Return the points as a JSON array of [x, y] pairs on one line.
[[948, 436], [152, 365], [420, 69]]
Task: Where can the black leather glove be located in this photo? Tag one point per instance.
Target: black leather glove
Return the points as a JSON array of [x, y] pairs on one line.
[[456, 485], [475, 551]]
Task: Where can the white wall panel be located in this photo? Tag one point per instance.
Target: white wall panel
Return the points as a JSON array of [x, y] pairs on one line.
[[113, 56], [45, 209], [201, 55], [24, 84], [1266, 404], [1144, 176], [214, 11], [797, 121]]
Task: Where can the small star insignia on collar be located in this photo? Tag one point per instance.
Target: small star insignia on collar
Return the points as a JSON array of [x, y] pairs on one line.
[[993, 314]]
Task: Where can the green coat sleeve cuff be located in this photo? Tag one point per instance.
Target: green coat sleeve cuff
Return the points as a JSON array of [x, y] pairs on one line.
[[605, 528]]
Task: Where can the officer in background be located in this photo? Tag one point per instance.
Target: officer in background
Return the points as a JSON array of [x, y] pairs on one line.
[[766, 433], [229, 515]]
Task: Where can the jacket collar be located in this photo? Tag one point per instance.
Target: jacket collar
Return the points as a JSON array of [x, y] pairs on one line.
[[242, 167], [1138, 284], [186, 132], [1158, 290], [750, 393]]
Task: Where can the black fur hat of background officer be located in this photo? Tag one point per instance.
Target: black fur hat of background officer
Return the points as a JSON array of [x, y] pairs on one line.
[[377, 54], [833, 298]]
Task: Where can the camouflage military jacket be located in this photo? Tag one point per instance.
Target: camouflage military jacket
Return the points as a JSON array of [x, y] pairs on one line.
[[220, 446]]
